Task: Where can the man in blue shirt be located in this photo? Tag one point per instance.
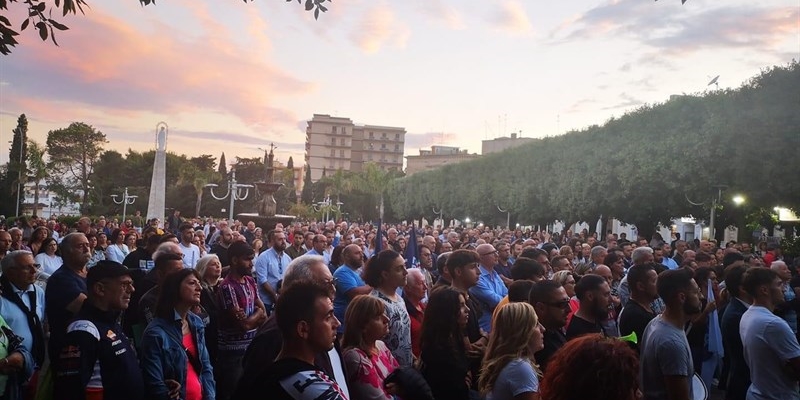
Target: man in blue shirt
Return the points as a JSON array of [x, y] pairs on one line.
[[319, 244], [269, 267], [22, 303], [490, 288], [348, 281]]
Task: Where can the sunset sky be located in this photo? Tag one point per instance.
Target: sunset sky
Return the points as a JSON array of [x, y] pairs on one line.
[[233, 76]]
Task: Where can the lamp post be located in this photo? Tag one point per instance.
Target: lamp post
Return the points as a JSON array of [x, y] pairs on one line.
[[508, 216], [440, 213], [327, 206], [234, 192], [126, 199]]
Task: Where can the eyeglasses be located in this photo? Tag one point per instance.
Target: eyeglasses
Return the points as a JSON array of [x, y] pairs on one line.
[[332, 282], [558, 304]]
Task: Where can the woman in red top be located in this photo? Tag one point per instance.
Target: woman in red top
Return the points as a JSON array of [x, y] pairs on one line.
[[175, 360]]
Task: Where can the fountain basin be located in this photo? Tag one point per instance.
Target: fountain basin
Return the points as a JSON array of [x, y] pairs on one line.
[[266, 223]]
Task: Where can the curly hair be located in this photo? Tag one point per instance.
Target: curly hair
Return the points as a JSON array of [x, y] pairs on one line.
[[515, 325], [592, 367]]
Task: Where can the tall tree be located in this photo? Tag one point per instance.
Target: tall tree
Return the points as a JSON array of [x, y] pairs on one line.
[[374, 181], [290, 163], [15, 168], [223, 166], [73, 152], [307, 195], [37, 170]]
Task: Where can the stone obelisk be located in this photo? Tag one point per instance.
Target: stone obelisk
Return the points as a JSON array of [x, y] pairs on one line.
[[158, 184]]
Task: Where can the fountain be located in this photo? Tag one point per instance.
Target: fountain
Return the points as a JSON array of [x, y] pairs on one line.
[[266, 217]]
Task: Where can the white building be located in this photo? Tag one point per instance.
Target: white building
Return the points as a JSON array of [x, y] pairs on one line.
[[49, 203]]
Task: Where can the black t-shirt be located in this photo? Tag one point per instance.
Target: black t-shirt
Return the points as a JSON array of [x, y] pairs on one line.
[[554, 339], [579, 327], [291, 379], [222, 254], [634, 318]]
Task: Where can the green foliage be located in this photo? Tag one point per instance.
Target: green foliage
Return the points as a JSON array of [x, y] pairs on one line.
[[639, 168], [37, 170], [790, 246], [17, 156], [307, 195], [73, 152], [39, 13], [223, 166]]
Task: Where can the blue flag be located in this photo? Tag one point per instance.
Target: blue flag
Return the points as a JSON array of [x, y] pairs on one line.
[[411, 253], [714, 342], [378, 239]]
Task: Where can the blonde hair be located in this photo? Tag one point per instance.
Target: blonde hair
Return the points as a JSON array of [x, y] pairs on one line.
[[202, 266], [560, 277], [510, 339]]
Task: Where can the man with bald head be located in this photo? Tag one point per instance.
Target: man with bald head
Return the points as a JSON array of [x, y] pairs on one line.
[[610, 324], [348, 281], [490, 288]]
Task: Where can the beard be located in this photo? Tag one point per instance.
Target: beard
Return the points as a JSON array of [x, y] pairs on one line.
[[690, 309]]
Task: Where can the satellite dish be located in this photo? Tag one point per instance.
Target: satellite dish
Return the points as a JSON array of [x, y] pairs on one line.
[[714, 81]]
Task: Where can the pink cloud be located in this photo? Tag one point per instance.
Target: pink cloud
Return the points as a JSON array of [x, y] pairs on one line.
[[378, 28], [512, 18], [107, 62]]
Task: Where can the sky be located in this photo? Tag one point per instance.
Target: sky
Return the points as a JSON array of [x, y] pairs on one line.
[[236, 76]]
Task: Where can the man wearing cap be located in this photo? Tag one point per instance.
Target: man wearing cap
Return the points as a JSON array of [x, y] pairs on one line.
[[96, 359]]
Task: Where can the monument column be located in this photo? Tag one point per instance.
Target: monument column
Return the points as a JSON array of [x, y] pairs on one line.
[[158, 184]]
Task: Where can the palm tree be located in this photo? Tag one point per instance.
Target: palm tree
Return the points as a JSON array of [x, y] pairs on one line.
[[191, 175], [374, 181], [37, 170]]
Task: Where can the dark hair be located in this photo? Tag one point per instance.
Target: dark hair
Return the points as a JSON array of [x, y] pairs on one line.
[[240, 249], [756, 277], [296, 303], [170, 292], [185, 225], [461, 258], [540, 292], [377, 265], [592, 367], [526, 268], [672, 281], [532, 253], [37, 230], [702, 257], [45, 243], [731, 258], [440, 322], [587, 283], [441, 261], [611, 258], [163, 259], [336, 256], [166, 238], [733, 279], [638, 274], [519, 291], [115, 235], [701, 275]]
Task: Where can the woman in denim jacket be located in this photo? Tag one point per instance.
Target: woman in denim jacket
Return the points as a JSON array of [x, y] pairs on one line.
[[175, 362]]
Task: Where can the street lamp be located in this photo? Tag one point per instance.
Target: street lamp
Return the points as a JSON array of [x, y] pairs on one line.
[[327, 206], [126, 199], [738, 200], [508, 216], [234, 192]]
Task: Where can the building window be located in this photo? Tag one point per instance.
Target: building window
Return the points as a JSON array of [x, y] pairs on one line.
[[341, 153], [369, 156], [397, 137], [397, 147], [333, 130], [383, 136], [383, 146], [341, 142], [333, 141], [372, 135], [333, 152], [371, 146]]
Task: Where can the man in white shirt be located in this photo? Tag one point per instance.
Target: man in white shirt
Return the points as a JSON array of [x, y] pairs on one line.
[[191, 253]]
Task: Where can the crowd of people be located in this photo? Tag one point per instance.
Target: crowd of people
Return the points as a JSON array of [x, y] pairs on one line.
[[200, 309]]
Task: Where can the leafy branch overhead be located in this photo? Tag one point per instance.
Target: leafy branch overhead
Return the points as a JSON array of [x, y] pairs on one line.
[[40, 17]]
